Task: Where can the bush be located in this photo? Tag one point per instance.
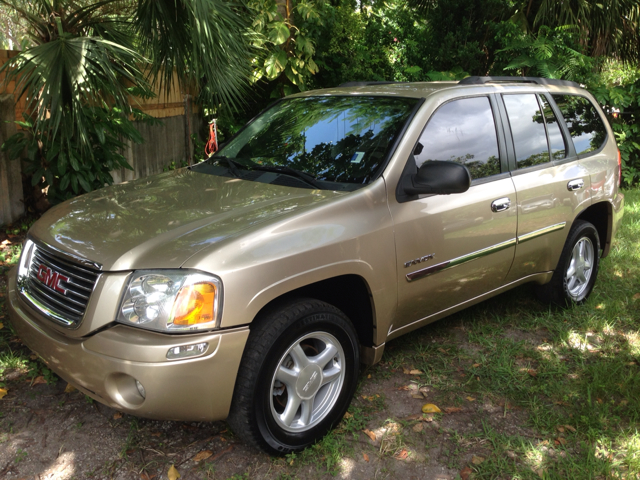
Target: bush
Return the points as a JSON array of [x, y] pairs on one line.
[[61, 167]]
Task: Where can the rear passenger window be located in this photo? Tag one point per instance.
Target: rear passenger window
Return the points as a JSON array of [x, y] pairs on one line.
[[527, 129], [462, 131], [556, 139], [585, 125]]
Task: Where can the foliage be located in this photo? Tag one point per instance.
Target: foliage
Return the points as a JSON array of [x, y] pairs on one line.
[[622, 104], [550, 53], [288, 49], [63, 167], [13, 32]]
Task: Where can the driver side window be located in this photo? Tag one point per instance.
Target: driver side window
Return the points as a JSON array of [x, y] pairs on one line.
[[462, 131]]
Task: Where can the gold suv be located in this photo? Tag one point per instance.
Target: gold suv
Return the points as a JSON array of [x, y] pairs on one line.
[[256, 282]]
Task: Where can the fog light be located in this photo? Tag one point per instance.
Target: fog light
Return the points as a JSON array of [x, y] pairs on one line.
[[186, 351], [141, 391]]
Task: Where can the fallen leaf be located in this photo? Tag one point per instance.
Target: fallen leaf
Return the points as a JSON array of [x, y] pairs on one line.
[[471, 399], [3, 392], [532, 372], [117, 416], [418, 427], [370, 434], [417, 395], [465, 473], [452, 410], [405, 371], [428, 418], [38, 380], [203, 455], [477, 460], [403, 454], [636, 296], [561, 429], [405, 387], [599, 400], [570, 428], [70, 388], [173, 473], [476, 365], [1, 325], [146, 476], [33, 357], [540, 472], [6, 242], [561, 441], [365, 456], [348, 415], [155, 434], [415, 372], [430, 408], [442, 350], [369, 376]]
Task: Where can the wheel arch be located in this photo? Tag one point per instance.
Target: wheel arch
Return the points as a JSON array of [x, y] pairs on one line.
[[349, 293], [600, 215]]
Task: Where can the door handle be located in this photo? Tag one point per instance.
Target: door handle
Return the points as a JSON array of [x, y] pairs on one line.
[[575, 184], [501, 204]]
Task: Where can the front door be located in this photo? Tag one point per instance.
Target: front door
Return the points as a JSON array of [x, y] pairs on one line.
[[453, 248]]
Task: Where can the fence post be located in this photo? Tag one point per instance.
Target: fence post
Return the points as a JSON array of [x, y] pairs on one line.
[[11, 197]]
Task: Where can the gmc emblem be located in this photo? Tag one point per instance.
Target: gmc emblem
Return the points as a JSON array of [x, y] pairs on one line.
[[52, 279]]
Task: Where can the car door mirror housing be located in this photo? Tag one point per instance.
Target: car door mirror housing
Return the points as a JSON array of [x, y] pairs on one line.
[[439, 178]]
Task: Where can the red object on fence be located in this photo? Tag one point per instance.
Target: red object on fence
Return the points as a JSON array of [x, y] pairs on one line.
[[212, 145]]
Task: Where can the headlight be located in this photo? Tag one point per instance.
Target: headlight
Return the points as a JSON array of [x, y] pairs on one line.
[[172, 300]]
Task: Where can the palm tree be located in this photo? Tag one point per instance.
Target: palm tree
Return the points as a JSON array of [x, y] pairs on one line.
[[89, 56]]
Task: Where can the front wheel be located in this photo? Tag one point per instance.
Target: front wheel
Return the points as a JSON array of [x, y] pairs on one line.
[[575, 276], [297, 377]]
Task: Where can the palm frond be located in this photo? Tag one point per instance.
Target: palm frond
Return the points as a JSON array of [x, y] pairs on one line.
[[60, 77], [207, 41]]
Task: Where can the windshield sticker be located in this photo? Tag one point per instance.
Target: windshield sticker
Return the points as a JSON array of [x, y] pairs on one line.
[[357, 157]]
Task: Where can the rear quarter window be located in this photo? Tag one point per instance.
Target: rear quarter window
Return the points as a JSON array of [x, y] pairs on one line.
[[586, 127]]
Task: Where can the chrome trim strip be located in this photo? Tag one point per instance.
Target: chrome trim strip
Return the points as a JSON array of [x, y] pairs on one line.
[[543, 231], [44, 310], [460, 260]]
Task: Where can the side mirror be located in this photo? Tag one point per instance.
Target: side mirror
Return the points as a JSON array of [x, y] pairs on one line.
[[440, 178]]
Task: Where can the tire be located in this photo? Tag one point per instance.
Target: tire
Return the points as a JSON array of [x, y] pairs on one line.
[[575, 276], [297, 376]]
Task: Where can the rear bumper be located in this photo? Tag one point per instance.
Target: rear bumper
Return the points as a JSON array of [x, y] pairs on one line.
[[106, 365]]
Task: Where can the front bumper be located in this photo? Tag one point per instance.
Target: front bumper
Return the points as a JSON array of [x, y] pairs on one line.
[[106, 365]]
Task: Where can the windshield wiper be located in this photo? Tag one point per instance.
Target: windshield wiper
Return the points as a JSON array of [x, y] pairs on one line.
[[305, 177], [231, 164]]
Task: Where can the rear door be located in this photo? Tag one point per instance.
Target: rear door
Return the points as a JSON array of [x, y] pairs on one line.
[[550, 182]]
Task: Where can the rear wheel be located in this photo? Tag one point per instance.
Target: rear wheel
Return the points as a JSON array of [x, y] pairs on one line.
[[297, 377], [575, 276]]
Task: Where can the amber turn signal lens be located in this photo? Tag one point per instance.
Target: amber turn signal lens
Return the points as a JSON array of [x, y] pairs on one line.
[[195, 304]]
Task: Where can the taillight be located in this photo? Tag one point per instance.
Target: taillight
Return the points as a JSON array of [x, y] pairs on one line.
[[619, 168]]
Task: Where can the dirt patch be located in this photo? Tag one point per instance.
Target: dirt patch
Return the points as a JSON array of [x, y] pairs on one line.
[[50, 434]]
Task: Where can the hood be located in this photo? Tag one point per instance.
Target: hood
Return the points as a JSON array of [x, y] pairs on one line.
[[161, 221]]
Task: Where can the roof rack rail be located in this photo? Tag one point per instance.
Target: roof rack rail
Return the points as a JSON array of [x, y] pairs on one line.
[[365, 84], [538, 80]]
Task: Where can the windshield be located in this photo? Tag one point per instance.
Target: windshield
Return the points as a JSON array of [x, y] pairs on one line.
[[332, 142]]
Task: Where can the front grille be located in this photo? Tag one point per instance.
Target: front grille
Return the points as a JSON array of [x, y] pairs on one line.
[[58, 287]]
